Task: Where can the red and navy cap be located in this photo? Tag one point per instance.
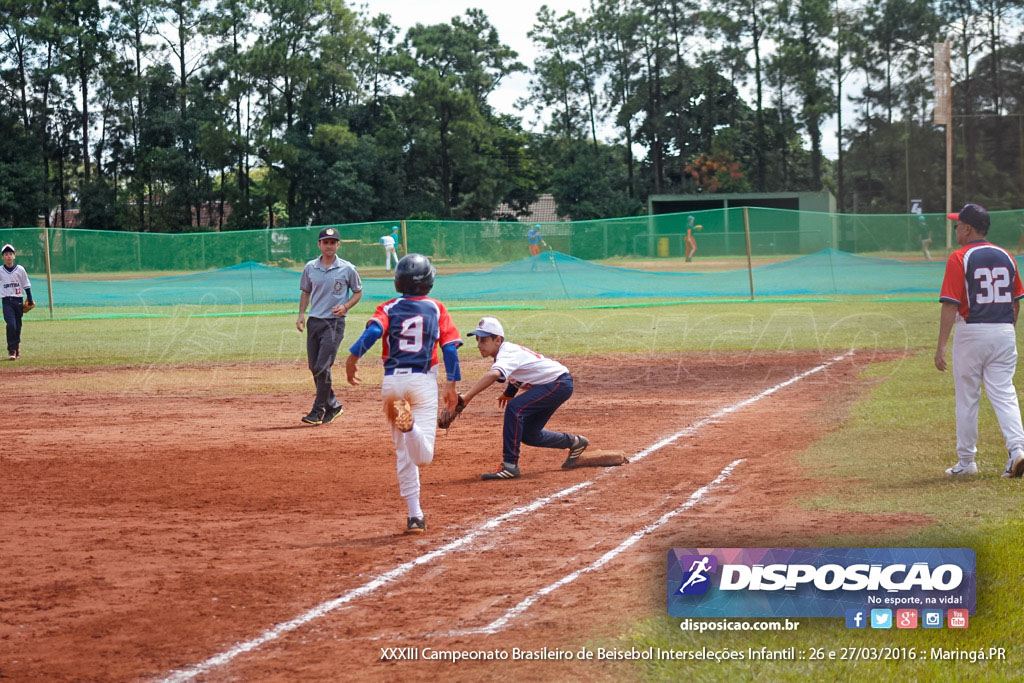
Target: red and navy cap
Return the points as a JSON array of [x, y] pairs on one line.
[[973, 215]]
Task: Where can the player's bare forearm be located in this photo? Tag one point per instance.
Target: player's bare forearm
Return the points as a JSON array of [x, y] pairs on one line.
[[450, 396], [487, 380], [342, 309], [946, 320], [300, 324], [350, 369]]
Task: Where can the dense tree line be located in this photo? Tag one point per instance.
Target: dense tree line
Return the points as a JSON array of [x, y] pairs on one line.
[[153, 115]]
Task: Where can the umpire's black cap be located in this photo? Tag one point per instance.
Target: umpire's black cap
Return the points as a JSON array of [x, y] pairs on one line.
[[329, 234], [974, 216]]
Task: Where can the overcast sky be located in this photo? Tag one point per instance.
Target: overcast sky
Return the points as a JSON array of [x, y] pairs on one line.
[[513, 19]]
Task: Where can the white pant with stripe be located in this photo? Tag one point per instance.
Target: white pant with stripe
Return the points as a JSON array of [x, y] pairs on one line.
[[985, 353], [416, 447]]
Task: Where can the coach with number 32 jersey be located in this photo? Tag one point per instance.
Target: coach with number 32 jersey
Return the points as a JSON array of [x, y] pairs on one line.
[[981, 295], [982, 279]]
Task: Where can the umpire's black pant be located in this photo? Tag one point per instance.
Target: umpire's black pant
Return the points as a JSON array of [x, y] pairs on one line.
[[12, 316], [323, 337]]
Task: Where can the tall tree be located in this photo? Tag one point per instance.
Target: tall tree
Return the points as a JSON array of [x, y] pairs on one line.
[[806, 25], [617, 23], [456, 66], [744, 23]]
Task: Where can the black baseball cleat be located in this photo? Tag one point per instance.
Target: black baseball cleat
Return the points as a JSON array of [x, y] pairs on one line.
[[416, 525], [506, 471], [579, 444], [332, 414], [314, 418]]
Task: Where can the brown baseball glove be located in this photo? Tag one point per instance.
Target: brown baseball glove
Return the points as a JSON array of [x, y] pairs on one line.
[[445, 419], [27, 306]]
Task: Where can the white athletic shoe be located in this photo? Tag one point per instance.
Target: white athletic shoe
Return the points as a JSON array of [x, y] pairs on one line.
[[1014, 466], [959, 470]]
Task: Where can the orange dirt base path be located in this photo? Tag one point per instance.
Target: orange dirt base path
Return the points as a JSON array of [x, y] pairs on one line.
[[155, 518]]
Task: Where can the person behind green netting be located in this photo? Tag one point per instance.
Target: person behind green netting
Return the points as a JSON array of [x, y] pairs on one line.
[[390, 244], [689, 239], [925, 235]]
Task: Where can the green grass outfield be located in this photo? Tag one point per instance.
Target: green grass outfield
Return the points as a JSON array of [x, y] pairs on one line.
[[887, 457], [267, 334]]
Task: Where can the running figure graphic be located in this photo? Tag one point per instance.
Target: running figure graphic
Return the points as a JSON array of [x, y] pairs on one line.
[[697, 570]]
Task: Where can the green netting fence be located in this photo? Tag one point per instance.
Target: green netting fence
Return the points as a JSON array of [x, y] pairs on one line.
[[548, 276], [773, 232]]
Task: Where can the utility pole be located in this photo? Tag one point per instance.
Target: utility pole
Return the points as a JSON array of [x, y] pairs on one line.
[[943, 116]]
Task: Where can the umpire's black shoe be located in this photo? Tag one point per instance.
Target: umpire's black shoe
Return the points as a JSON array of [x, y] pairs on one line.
[[314, 418], [579, 444], [332, 414], [506, 471], [416, 525]]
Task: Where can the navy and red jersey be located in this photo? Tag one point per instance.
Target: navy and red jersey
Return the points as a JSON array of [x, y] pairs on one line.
[[982, 279], [413, 327]]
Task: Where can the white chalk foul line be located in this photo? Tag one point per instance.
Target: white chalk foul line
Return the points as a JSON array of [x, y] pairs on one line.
[[700, 424], [325, 608], [367, 588], [528, 602]]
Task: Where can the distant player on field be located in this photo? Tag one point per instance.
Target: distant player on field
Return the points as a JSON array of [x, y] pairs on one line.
[[411, 327], [390, 244], [690, 240], [15, 283], [534, 239], [925, 234]]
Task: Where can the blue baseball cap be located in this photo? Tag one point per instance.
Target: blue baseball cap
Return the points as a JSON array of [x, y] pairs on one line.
[[974, 216]]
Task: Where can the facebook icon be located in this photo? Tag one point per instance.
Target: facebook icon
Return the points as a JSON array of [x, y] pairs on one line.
[[856, 618]]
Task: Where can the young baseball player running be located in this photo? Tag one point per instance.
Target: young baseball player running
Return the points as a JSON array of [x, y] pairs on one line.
[[546, 385], [981, 295], [14, 282], [412, 326]]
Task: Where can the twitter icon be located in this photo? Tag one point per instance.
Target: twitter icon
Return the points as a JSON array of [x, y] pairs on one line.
[[881, 618]]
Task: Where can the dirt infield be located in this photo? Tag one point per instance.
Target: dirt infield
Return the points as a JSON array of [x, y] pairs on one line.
[[155, 518]]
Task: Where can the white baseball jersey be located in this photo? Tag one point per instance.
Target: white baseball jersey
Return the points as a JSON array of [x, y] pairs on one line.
[[14, 282], [519, 364], [388, 241]]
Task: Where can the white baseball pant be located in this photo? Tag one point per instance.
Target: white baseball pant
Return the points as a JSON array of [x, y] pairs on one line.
[[388, 253], [415, 447], [985, 352]]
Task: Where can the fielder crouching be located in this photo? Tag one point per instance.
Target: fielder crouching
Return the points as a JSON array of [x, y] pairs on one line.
[[546, 385]]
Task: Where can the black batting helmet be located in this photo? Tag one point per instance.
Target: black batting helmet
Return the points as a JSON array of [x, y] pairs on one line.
[[414, 275]]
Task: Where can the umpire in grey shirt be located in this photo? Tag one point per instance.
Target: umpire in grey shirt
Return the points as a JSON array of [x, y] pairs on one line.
[[330, 288]]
